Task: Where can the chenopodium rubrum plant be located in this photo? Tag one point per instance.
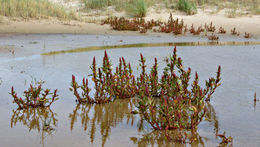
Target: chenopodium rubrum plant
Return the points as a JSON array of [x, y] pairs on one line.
[[178, 107], [143, 79], [35, 97], [108, 85], [149, 83], [102, 78], [124, 80], [154, 80], [84, 98]]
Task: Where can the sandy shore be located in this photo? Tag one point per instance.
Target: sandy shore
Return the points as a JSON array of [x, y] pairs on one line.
[[243, 24]]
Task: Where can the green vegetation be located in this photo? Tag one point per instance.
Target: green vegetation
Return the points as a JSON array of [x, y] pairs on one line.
[[35, 96], [235, 7], [33, 9], [187, 6], [177, 106], [255, 8], [138, 8], [96, 4]]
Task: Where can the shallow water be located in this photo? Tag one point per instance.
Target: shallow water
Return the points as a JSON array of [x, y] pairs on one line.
[[232, 106]]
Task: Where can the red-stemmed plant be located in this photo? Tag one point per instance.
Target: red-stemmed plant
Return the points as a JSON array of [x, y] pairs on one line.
[[35, 97]]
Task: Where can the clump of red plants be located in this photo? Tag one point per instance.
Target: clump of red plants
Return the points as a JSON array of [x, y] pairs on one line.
[[122, 23], [135, 24], [166, 103], [139, 24], [180, 105], [175, 26], [210, 27], [194, 31], [247, 35], [172, 26], [35, 97], [222, 30], [108, 85], [234, 32]]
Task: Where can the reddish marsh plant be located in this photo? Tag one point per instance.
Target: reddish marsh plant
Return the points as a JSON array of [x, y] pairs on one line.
[[148, 82], [194, 31], [174, 26], [139, 24], [136, 24], [102, 78], [124, 80], [255, 99], [84, 98], [222, 30], [210, 27], [247, 35], [122, 23], [35, 96], [154, 80], [179, 107], [234, 32], [108, 85]]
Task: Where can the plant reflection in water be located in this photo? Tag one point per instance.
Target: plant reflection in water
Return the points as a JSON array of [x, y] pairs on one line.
[[41, 119], [181, 136], [104, 116], [107, 116]]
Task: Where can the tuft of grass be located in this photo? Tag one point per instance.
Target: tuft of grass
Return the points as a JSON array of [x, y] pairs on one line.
[[95, 4], [231, 13], [187, 6], [138, 8], [1, 21], [33, 9], [100, 4], [255, 9], [234, 6]]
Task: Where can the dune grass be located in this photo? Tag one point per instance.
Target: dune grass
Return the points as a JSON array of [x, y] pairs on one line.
[[234, 6], [135, 8], [33, 9], [188, 6], [138, 8]]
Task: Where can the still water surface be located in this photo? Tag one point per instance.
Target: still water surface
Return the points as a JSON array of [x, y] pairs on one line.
[[232, 108]]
